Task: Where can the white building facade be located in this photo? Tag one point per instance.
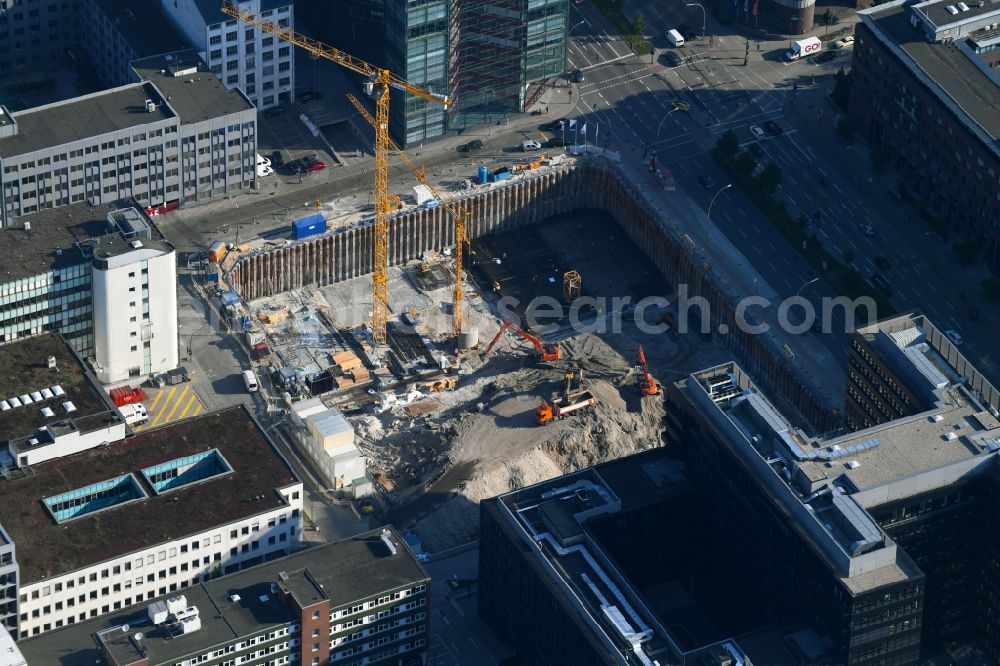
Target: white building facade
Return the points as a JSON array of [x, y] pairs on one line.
[[102, 588], [135, 309], [260, 65]]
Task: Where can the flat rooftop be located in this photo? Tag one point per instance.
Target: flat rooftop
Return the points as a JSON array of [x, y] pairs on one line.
[[26, 372], [51, 243], [210, 9], [193, 91], [554, 515], [83, 117], [951, 70], [46, 549], [356, 568], [143, 25], [938, 14]]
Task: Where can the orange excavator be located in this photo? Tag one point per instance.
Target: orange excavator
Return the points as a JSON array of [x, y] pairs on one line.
[[545, 352], [647, 385]]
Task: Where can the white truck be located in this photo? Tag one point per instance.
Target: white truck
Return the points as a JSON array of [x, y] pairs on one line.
[[674, 38], [803, 48], [134, 413]]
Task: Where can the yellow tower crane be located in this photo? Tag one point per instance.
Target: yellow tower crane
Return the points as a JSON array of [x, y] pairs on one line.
[[379, 80], [457, 211]]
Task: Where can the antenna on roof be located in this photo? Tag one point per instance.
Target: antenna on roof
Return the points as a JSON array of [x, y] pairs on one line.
[[51, 360]]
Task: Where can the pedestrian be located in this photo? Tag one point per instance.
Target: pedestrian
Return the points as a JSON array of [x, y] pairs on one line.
[[758, 46], [711, 41]]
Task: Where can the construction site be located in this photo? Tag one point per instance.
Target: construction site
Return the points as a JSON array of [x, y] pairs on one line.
[[488, 338]]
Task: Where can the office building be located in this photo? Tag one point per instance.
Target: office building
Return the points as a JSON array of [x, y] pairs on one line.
[[134, 282], [362, 600], [179, 136], [243, 57], [50, 405], [10, 653], [753, 538], [34, 32], [143, 517], [101, 276], [327, 438], [121, 32], [924, 94], [485, 55]]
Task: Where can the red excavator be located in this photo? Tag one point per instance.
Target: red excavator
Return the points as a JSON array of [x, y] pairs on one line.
[[545, 352], [647, 385]]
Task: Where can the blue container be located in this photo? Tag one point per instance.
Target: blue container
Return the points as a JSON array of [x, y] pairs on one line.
[[211, 277], [484, 175], [229, 297], [309, 226]]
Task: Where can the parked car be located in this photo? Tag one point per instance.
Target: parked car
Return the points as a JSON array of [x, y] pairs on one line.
[[841, 43], [706, 181], [867, 228], [825, 56], [670, 58], [882, 263], [578, 76], [160, 209], [955, 337], [773, 128], [553, 126], [757, 132], [529, 145], [262, 161], [755, 149], [264, 170], [309, 96], [276, 159], [312, 167], [472, 146], [686, 32], [680, 105], [559, 142]]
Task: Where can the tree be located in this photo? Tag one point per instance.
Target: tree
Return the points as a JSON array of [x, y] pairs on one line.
[[728, 144], [638, 24], [770, 178], [828, 19], [965, 252], [744, 163]]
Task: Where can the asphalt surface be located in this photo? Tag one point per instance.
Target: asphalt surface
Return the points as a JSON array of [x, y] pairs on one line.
[[630, 100]]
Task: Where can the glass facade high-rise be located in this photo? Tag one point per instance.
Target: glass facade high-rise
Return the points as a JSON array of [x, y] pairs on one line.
[[485, 54], [416, 50]]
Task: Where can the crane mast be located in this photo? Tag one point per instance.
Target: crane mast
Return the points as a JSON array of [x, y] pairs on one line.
[[458, 213], [380, 80]]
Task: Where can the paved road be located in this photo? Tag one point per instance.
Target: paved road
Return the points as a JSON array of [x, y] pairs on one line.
[[629, 99]]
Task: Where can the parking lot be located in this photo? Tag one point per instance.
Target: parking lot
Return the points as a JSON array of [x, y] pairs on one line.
[[286, 133], [170, 404]]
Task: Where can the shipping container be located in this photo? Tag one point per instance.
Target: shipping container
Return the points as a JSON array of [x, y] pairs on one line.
[[126, 395], [229, 297], [309, 226]]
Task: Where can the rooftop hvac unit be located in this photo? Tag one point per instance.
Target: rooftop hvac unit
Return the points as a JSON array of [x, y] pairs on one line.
[[46, 393], [150, 106], [853, 464], [47, 412], [136, 244], [950, 436], [36, 396], [176, 604], [234, 598], [964, 7], [51, 360], [14, 402], [387, 540], [158, 613], [57, 390], [26, 399], [190, 624], [27, 226], [69, 406], [951, 9], [937, 418], [4, 405]]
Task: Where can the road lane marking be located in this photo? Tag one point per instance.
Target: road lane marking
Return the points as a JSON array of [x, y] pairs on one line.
[[170, 396], [177, 403], [187, 407]]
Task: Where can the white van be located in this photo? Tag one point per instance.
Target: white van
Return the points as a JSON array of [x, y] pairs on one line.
[[250, 379], [675, 38]]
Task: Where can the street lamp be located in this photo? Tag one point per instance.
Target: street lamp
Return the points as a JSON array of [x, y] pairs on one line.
[[806, 285], [661, 123], [576, 25], [712, 202], [704, 19]]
